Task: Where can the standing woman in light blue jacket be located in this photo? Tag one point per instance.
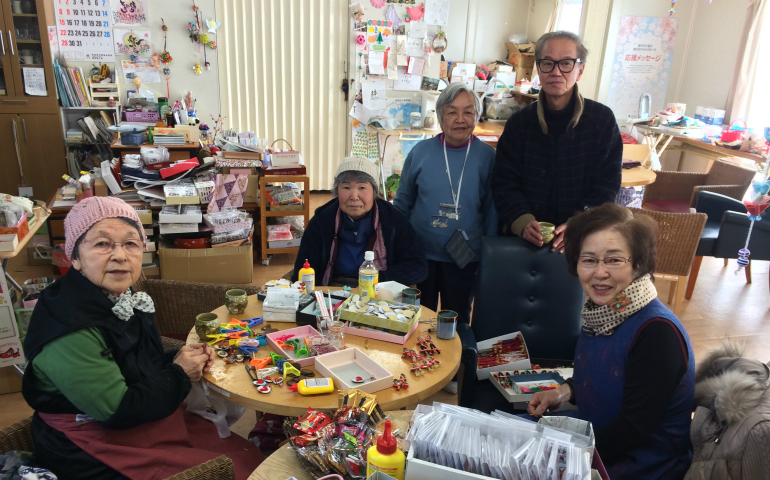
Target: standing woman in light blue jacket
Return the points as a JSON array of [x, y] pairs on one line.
[[445, 192]]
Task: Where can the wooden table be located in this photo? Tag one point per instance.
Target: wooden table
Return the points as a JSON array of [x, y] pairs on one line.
[[234, 384], [637, 176], [489, 129], [41, 215], [283, 462]]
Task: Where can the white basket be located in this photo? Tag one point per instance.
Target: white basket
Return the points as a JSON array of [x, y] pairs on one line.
[[204, 190]]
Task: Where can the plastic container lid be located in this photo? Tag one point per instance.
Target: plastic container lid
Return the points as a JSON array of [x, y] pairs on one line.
[[386, 444], [369, 256]]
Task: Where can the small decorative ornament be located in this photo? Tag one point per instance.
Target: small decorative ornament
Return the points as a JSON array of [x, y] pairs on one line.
[[440, 42], [415, 13], [378, 3], [357, 11], [166, 71], [361, 38], [155, 61], [358, 380], [203, 38], [213, 45], [197, 68], [134, 57], [673, 4], [265, 389], [213, 25], [207, 66], [620, 303]]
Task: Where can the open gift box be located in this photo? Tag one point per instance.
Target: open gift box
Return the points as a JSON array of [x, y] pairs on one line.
[[298, 332], [375, 321], [524, 364], [521, 388], [345, 365]]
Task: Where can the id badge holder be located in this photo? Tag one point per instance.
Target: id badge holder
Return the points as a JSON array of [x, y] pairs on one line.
[[458, 249]]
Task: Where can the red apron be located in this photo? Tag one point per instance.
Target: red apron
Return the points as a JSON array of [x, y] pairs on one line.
[[160, 449]]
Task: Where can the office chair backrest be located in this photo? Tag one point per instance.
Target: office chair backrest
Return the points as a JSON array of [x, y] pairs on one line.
[[523, 288]]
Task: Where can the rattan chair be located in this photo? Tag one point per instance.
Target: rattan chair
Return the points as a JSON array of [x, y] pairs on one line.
[[677, 240], [19, 437], [675, 192], [178, 303]]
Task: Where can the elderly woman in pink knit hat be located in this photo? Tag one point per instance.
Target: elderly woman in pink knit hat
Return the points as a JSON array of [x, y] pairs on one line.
[[107, 399]]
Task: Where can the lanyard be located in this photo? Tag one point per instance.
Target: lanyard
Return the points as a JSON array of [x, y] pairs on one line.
[[456, 198]]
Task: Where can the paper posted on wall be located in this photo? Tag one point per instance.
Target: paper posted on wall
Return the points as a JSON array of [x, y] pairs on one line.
[[11, 352], [373, 94]]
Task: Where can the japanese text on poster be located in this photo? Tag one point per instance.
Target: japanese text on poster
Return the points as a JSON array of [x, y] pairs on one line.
[[84, 29], [129, 12], [642, 63]]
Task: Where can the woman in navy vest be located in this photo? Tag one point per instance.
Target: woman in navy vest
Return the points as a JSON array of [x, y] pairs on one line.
[[634, 366]]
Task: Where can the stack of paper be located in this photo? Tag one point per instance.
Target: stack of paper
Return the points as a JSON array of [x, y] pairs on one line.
[[168, 138]]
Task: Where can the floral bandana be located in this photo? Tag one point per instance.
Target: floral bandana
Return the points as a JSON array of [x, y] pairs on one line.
[[604, 319], [126, 303]]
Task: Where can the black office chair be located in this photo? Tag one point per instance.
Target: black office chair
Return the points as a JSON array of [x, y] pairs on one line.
[[725, 233], [520, 288]]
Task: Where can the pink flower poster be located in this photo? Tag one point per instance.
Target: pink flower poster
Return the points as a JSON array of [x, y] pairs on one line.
[[643, 54]]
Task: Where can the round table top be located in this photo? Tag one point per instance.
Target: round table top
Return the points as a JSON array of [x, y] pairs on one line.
[[637, 176], [233, 382]]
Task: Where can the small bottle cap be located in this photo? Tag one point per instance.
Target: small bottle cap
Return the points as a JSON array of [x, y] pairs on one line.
[[306, 265], [369, 256], [386, 444]]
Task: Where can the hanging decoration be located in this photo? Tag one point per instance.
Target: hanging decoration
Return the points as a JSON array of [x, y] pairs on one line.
[[167, 73], [378, 3], [440, 42], [361, 38], [155, 61], [357, 11], [392, 16], [755, 208], [673, 4], [401, 1], [213, 25], [414, 14], [197, 68], [202, 39], [165, 57]]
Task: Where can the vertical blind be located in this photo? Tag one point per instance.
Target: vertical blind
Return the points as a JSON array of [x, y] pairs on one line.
[[281, 65]]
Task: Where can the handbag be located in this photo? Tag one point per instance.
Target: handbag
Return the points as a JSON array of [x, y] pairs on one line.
[[731, 135]]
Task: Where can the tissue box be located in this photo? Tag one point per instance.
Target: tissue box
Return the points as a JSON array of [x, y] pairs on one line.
[[279, 314], [342, 366]]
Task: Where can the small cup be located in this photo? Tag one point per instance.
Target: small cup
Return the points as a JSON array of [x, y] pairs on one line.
[[547, 231], [447, 324], [207, 324], [236, 301], [16, 6], [411, 296]]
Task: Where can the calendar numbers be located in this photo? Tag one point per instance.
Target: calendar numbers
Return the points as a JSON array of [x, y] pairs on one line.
[[84, 30]]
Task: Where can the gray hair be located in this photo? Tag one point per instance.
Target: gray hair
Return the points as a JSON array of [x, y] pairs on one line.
[[450, 94], [354, 176], [582, 51]]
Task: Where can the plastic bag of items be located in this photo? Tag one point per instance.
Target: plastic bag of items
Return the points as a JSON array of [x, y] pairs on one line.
[[279, 232], [228, 220], [283, 196], [153, 155], [10, 215]]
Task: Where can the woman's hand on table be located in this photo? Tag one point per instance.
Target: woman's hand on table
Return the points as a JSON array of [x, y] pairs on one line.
[[544, 402], [193, 359]]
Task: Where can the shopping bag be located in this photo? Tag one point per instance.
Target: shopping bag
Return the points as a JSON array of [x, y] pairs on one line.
[[731, 135], [222, 413]]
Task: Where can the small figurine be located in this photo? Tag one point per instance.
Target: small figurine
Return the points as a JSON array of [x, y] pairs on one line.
[[417, 370], [197, 68], [155, 61]]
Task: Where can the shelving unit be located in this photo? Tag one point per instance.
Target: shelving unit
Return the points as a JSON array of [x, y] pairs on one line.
[[265, 213]]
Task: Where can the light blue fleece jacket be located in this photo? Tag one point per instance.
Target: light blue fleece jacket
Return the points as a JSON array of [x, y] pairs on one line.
[[424, 185]]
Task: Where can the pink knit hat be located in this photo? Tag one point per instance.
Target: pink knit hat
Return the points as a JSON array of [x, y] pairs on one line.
[[88, 212]]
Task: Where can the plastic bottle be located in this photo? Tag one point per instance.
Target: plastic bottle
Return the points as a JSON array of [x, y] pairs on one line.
[[385, 457], [313, 386], [368, 277], [307, 276]]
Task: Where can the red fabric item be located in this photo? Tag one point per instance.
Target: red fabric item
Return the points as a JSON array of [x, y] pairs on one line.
[[671, 206], [268, 433], [158, 450], [628, 139]]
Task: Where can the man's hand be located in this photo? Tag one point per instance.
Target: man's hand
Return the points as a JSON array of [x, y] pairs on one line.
[[558, 238], [544, 402], [192, 359], [531, 233]]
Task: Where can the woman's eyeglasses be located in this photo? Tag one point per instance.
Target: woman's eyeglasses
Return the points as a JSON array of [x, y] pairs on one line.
[[565, 65], [104, 246], [590, 263]]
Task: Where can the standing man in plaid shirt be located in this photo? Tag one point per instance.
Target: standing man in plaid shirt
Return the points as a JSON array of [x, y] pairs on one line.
[[561, 154]]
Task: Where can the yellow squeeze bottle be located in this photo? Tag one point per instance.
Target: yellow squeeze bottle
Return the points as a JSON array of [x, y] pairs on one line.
[[313, 386], [307, 276], [385, 457]]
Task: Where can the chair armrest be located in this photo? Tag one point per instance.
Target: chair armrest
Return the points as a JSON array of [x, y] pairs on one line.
[[733, 191], [221, 467], [469, 360], [17, 437], [673, 186], [715, 204]]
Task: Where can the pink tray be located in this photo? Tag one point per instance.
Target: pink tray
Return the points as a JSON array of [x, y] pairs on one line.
[[385, 337], [304, 331]]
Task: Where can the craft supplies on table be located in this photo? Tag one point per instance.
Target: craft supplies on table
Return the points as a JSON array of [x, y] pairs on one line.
[[375, 312], [345, 365], [392, 336], [305, 336], [521, 387], [506, 352]]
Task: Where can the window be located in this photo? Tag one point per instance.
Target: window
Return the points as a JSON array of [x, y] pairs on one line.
[[759, 94], [570, 13]]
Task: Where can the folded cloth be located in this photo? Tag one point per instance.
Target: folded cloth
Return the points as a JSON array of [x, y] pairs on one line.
[[229, 191]]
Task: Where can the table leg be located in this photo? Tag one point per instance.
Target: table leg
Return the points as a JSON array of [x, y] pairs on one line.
[[8, 275]]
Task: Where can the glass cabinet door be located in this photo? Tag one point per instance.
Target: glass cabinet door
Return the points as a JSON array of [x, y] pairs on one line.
[[6, 75], [28, 43]]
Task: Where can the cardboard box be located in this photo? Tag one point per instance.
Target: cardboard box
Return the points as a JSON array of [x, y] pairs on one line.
[[343, 365], [525, 73], [367, 332], [484, 373], [244, 155], [252, 190], [304, 331], [166, 228], [207, 265], [145, 216], [10, 381], [8, 243], [296, 170], [376, 321], [515, 394], [288, 159], [294, 242], [100, 188], [20, 230], [508, 78], [41, 256]]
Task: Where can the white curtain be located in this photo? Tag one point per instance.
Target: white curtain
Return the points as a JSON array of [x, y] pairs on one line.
[[740, 98], [550, 26]]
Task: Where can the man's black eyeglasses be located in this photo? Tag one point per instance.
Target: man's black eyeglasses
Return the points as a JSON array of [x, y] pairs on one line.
[[566, 65]]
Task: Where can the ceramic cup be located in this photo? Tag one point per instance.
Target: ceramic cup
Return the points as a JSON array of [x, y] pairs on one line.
[[16, 6], [27, 59], [411, 296], [236, 301], [447, 324], [207, 324], [547, 231]]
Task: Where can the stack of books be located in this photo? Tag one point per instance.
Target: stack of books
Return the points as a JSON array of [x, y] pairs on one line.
[[168, 138], [71, 84], [75, 136]]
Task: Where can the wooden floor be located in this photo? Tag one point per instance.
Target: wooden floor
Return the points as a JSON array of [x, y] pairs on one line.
[[723, 306]]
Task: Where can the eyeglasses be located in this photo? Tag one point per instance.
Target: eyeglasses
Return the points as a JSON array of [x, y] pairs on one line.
[[565, 65], [590, 263], [104, 246]]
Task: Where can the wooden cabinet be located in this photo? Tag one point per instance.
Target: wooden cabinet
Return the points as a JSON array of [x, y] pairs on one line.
[[24, 53], [38, 141]]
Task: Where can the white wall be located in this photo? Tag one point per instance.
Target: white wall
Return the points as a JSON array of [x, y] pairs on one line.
[[540, 12], [177, 13], [490, 23]]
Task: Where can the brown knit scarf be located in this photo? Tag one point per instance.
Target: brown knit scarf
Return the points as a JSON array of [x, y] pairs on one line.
[[604, 319]]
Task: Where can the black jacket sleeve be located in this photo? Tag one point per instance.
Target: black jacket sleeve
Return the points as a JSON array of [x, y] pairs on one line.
[[410, 265], [607, 172], [311, 248], [510, 201], [156, 397], [656, 364]]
